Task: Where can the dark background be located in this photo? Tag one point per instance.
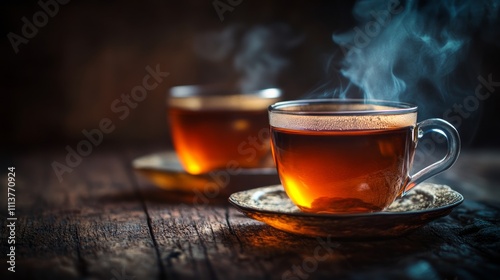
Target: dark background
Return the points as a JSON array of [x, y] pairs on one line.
[[66, 77]]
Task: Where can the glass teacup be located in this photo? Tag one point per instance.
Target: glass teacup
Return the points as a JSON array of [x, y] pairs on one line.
[[347, 156]]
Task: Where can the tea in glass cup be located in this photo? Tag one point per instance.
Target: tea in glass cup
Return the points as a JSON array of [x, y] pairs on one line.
[[348, 156], [213, 127]]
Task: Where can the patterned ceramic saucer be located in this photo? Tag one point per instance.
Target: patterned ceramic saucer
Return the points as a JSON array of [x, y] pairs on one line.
[[424, 203], [165, 171]]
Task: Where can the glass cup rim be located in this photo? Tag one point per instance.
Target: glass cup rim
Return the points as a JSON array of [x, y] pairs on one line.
[[220, 90], [394, 107]]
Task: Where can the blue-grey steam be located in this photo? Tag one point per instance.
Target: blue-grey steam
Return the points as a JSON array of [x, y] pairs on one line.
[[413, 51], [258, 53]]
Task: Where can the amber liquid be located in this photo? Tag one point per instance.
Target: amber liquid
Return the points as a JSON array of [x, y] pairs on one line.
[[343, 171], [207, 140]]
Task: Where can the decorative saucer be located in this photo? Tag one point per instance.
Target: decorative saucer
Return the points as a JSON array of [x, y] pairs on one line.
[[165, 171], [424, 203]]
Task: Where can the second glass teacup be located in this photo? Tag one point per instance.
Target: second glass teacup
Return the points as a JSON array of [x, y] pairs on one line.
[[215, 127]]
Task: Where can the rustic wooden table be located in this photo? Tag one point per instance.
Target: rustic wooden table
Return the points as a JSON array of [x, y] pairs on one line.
[[105, 221]]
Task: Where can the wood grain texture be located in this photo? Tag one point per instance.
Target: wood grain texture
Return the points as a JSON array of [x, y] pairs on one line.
[[105, 221]]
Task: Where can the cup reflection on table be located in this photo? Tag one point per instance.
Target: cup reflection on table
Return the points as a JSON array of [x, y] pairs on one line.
[[215, 127], [348, 156]]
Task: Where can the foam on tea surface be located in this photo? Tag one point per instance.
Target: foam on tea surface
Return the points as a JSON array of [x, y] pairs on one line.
[[331, 117]]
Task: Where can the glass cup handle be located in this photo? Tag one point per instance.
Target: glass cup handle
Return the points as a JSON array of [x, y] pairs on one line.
[[453, 139]]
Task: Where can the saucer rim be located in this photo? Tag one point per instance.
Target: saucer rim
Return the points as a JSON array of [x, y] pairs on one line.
[[251, 209], [243, 171]]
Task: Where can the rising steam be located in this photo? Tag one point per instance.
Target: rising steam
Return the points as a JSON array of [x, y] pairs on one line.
[[419, 52], [257, 54]]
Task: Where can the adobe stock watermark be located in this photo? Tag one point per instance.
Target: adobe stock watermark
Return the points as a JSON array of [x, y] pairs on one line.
[[458, 113], [120, 106], [222, 6], [48, 9], [363, 36], [222, 178], [310, 264]]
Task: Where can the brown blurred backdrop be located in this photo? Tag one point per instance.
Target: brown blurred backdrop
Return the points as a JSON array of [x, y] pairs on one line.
[[66, 77]]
